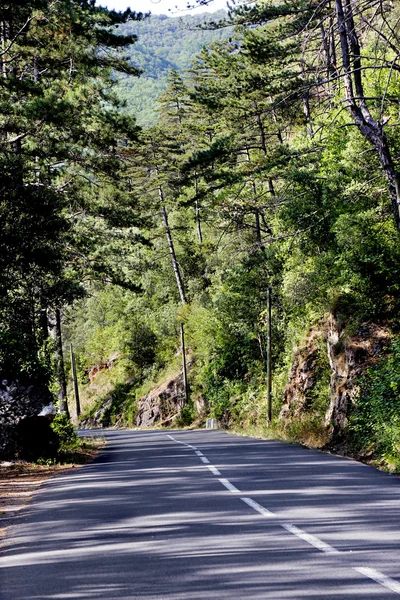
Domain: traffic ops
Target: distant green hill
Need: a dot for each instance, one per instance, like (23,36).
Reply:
(164,43)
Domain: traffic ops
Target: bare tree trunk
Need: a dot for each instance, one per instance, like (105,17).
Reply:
(197,208)
(275,119)
(254,189)
(3,47)
(175,265)
(54,326)
(179,283)
(258,227)
(75,382)
(307,114)
(184,366)
(261,129)
(371,129)
(271,187)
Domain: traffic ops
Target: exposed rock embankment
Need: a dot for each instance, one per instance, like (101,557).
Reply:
(26,411)
(162,404)
(303,374)
(348,357)
(105,365)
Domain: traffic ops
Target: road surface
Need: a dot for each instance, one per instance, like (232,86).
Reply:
(182,515)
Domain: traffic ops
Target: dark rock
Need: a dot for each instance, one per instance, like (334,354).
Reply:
(36,439)
(101,417)
(18,403)
(349,358)
(302,377)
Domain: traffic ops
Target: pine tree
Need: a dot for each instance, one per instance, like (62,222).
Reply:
(60,137)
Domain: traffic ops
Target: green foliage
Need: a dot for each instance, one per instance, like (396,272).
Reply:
(164,43)
(121,394)
(254,175)
(60,130)
(374,424)
(67,437)
(187,415)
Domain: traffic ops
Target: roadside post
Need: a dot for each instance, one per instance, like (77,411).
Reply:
(269,361)
(184,367)
(75,381)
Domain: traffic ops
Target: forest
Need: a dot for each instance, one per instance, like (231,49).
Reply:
(256,220)
(163,43)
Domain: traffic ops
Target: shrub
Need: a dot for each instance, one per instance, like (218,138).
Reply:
(64,430)
(374,424)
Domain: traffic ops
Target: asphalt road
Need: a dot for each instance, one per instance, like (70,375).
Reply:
(203,515)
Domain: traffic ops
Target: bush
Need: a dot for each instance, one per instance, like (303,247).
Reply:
(374,425)
(187,415)
(36,439)
(64,430)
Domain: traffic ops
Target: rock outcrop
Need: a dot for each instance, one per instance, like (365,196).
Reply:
(349,357)
(105,365)
(162,404)
(101,417)
(303,375)
(25,416)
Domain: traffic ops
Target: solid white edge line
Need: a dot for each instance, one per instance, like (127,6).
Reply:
(204,460)
(380,578)
(229,486)
(310,539)
(263,511)
(214,470)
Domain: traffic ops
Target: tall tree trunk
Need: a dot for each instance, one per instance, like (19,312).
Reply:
(175,265)
(307,114)
(54,326)
(371,129)
(197,208)
(179,283)
(256,210)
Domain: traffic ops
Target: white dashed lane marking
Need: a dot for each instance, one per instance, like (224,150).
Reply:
(310,539)
(229,486)
(214,470)
(387,582)
(263,511)
(377,576)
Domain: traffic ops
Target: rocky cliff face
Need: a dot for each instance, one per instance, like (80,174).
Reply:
(348,356)
(162,404)
(303,375)
(23,408)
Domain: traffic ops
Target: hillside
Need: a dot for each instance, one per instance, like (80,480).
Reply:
(164,43)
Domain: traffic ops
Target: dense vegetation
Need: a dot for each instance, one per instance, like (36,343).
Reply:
(273,164)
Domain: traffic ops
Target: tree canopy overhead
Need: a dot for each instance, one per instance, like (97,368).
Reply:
(61,135)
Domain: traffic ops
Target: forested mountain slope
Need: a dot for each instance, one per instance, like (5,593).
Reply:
(163,43)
